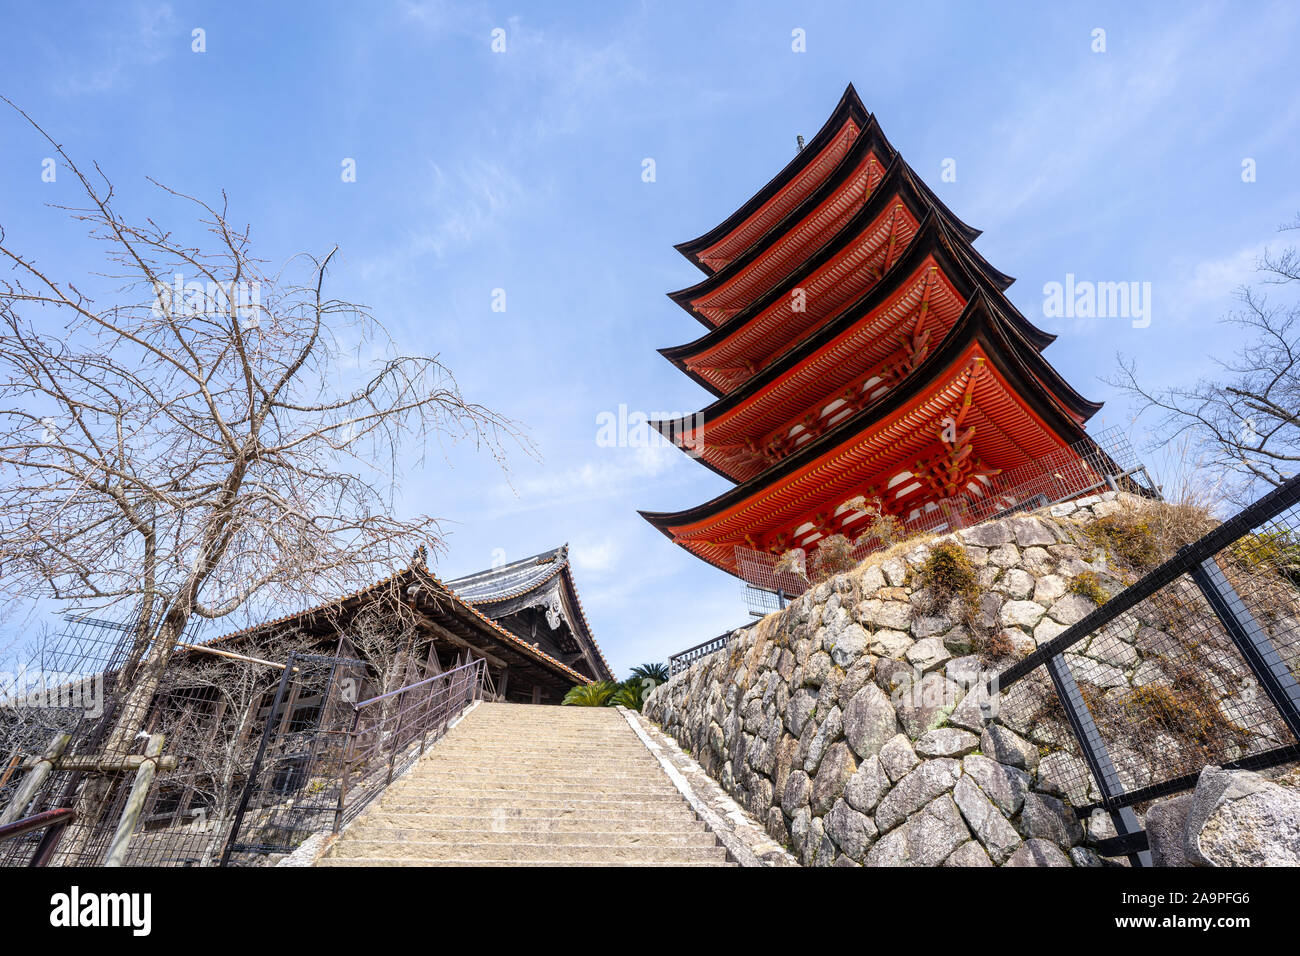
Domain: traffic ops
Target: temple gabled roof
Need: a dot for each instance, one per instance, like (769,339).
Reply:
(543,581)
(801,177)
(510,580)
(418,587)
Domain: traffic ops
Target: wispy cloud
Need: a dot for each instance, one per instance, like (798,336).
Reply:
(151,31)
(594,479)
(470,205)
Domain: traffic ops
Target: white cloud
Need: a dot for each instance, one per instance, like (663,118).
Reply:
(592,479)
(149,36)
(469,206)
(595,557)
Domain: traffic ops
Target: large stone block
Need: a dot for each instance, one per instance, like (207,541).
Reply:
(1237,818)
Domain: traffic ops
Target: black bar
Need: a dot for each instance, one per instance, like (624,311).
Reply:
(1269,668)
(1095,753)
(257,762)
(1126,845)
(1185,561)
(1261,761)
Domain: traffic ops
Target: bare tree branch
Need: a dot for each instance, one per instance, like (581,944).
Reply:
(1244,424)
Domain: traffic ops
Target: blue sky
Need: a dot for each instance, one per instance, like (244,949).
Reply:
(522,170)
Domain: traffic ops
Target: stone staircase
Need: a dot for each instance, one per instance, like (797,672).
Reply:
(531,785)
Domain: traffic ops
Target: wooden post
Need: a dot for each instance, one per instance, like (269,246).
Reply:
(34,779)
(134,802)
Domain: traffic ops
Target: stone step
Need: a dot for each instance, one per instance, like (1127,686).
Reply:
(566,740)
(524,781)
(586,762)
(490,763)
(593,836)
(526,852)
(547,744)
(678,820)
(521,785)
(536,793)
(540,789)
(403,802)
(389,862)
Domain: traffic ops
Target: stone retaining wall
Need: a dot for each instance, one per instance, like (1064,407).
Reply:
(855,726)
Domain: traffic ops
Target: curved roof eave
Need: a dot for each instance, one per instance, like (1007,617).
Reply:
(979,321)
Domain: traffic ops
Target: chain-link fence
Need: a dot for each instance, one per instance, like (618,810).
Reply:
(243,756)
(1197,663)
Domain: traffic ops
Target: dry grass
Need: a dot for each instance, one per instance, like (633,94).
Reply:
(949,573)
(895,550)
(992,648)
(1088,584)
(1140,537)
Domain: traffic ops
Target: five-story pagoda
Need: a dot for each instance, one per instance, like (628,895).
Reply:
(861,351)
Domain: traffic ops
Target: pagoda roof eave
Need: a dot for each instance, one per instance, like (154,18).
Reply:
(931,244)
(870,140)
(1022,366)
(898,184)
(932,237)
(850,107)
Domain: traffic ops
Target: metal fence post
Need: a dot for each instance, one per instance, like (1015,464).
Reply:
(1260,654)
(1095,753)
(35,778)
(345,771)
(256,768)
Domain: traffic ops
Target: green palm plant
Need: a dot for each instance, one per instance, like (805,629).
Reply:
(630,694)
(655,672)
(596,694)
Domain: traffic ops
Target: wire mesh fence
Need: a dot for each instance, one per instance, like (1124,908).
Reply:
(251,751)
(319,771)
(1196,664)
(68,694)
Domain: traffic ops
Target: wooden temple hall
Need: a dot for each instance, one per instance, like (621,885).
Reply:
(524,619)
(858,348)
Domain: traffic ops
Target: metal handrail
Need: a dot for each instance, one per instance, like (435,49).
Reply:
(402,690)
(445,696)
(37,821)
(54,822)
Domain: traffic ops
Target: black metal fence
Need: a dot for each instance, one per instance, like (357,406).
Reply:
(683,659)
(318,770)
(257,753)
(1197,663)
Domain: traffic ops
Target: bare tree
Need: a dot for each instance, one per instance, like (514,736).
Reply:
(200,437)
(384,636)
(210,716)
(1244,423)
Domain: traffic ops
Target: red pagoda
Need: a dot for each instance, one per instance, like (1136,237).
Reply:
(860,349)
